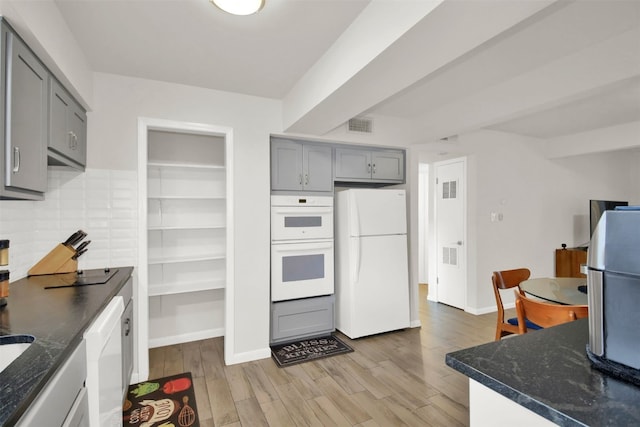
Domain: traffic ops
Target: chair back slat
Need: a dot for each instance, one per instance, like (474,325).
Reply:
(506,279)
(546,314)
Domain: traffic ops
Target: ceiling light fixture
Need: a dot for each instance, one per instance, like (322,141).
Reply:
(239,7)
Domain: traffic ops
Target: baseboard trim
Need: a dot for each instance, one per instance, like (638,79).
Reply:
(248,356)
(182,338)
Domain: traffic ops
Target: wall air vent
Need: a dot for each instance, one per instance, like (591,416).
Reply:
(360,125)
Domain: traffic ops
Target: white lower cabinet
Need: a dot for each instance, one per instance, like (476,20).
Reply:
(186,237)
(63,402)
(104,365)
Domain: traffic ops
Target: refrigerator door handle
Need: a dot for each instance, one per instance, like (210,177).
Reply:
(355,216)
(355,250)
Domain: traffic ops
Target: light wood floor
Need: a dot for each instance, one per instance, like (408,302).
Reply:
(392,379)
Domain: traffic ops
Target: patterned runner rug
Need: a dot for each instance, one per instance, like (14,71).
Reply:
(165,401)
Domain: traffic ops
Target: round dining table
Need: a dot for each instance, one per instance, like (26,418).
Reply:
(560,290)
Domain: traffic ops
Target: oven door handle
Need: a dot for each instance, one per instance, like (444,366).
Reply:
(303,210)
(302,247)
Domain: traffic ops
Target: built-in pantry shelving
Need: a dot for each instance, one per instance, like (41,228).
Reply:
(186,237)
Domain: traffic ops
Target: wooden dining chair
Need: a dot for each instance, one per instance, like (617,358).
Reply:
(545,314)
(508,279)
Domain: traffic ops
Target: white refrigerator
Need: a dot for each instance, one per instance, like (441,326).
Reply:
(372,273)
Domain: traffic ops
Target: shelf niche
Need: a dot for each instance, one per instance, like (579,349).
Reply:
(186,236)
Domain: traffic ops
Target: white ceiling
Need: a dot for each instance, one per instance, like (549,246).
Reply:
(542,68)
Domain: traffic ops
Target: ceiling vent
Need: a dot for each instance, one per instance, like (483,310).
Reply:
(360,125)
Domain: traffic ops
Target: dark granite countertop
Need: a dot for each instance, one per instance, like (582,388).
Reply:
(57,318)
(548,372)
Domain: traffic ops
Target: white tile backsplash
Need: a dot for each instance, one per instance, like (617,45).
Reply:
(103,203)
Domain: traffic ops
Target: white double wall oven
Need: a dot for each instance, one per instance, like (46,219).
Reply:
(301,247)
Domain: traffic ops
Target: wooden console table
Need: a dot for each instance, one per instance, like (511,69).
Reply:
(568,262)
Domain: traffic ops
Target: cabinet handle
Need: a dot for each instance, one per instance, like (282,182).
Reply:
(374,168)
(127,324)
(16,159)
(369,167)
(73,140)
(306,179)
(300,179)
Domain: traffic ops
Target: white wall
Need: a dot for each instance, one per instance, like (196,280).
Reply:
(43,28)
(544,202)
(101,202)
(423,219)
(119,101)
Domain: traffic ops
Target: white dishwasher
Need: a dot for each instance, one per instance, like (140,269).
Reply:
(104,366)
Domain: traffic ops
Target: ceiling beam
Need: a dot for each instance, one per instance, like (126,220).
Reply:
(559,82)
(426,37)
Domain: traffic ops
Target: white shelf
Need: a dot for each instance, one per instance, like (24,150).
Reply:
(177,260)
(165,164)
(195,197)
(180,288)
(186,227)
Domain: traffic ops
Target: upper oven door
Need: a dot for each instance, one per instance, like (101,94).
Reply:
(301,222)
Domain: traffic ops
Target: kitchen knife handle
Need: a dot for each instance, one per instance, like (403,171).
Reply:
(77,255)
(83,245)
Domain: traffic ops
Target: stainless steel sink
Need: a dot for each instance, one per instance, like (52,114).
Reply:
(12,346)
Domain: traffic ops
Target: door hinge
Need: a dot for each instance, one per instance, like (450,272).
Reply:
(437,280)
(436,180)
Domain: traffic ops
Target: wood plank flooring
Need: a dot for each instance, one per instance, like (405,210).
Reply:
(393,379)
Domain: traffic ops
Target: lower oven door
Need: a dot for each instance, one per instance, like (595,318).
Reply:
(301,270)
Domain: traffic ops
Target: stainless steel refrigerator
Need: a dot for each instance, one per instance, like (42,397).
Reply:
(613,286)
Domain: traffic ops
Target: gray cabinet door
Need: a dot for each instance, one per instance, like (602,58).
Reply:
(67,125)
(387,165)
(127,327)
(25,118)
(317,168)
(286,165)
(295,319)
(297,166)
(352,164)
(367,165)
(127,346)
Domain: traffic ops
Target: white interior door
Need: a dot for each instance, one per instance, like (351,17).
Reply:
(451,232)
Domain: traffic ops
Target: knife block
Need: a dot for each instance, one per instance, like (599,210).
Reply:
(59,260)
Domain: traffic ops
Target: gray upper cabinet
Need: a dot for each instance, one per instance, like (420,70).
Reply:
(300,166)
(369,165)
(67,129)
(24,120)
